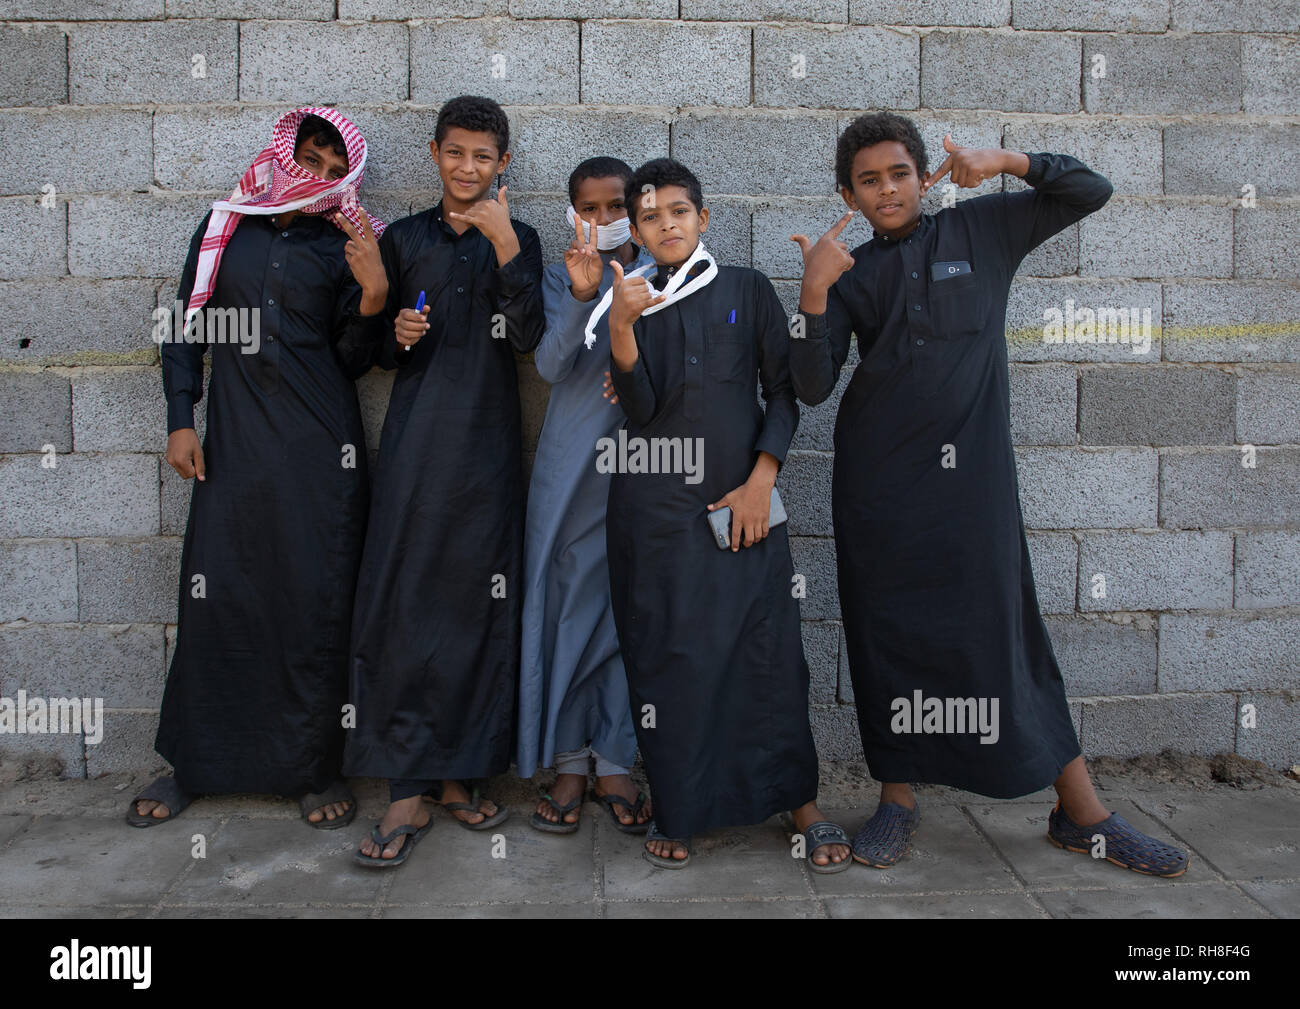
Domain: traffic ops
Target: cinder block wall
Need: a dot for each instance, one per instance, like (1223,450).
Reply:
(131,117)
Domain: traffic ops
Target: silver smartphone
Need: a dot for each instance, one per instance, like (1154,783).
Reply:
(720,520)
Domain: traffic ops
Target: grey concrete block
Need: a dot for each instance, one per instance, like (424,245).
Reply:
(816,11)
(246,10)
(1168,74)
(969,129)
(1068,488)
(545,214)
(1057,257)
(35,239)
(1101,656)
(728,235)
(373,390)
(173,62)
(1164,405)
(927,13)
(50,148)
(119,410)
(38,581)
(35,71)
(846,677)
(1155,571)
(513,62)
(1270,67)
(1218,159)
(1126,151)
(1264,243)
(1275,737)
(835,732)
(821,647)
(823,67)
(1043,404)
(1268,407)
(1267,569)
(1085,315)
(409,10)
(814,558)
(174,501)
(1211,488)
(127,746)
(1054,558)
(1206,651)
(131,235)
(209,147)
(775,222)
(584,9)
(1139,239)
(128,581)
(805,486)
(967,70)
(1085,16)
(1234,16)
(548,144)
(115,321)
(620,58)
(113,495)
(817,423)
(796,149)
(80,10)
(35,410)
(120,663)
(1131,726)
(1232,322)
(324,62)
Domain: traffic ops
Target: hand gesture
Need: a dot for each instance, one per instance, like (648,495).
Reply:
(491,217)
(631,297)
(825,261)
(968,166)
(582,260)
(362,252)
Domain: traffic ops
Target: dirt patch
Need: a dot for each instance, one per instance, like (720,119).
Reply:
(1184,769)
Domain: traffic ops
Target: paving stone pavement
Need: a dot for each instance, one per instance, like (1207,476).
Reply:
(65,852)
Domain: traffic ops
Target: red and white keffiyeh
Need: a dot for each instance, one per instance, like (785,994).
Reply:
(275,183)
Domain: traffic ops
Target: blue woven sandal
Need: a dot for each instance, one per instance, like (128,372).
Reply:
(1125,844)
(820,834)
(885,838)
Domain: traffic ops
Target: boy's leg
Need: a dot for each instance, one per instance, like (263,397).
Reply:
(613,779)
(570,782)
(406,805)
(1078,797)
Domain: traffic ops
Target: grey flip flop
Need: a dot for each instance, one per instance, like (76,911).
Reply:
(652,834)
(337,792)
(403,853)
(560,826)
(165,790)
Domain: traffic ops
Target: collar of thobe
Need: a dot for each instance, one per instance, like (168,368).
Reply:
(676,289)
(921,226)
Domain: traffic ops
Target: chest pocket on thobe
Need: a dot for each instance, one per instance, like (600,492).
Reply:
(958,307)
(729,350)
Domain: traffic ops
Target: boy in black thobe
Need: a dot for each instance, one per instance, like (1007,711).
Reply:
(953,674)
(435,637)
(710,638)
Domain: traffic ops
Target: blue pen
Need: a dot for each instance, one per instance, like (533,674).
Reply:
(732,317)
(419,307)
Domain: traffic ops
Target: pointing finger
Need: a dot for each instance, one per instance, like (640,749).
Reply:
(802,242)
(839,225)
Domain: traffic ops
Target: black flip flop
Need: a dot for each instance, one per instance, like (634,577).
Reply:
(561,826)
(403,853)
(609,801)
(470,807)
(165,790)
(652,834)
(337,792)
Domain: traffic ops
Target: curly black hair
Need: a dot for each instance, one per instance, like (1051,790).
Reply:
(875,128)
(661,172)
(598,168)
(322,133)
(481,115)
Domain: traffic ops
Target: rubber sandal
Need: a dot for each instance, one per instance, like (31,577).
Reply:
(470,807)
(820,834)
(887,836)
(165,790)
(1125,844)
(337,792)
(610,800)
(403,853)
(556,827)
(652,834)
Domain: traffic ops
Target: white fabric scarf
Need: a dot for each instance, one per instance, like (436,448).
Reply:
(608,236)
(673,289)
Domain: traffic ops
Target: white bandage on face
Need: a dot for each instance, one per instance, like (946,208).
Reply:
(677,288)
(608,236)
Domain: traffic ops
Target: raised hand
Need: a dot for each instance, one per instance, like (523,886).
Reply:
(824,262)
(968,166)
(491,217)
(364,260)
(582,260)
(631,297)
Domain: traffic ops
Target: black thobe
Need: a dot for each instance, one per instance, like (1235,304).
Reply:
(435,634)
(935,584)
(258,681)
(710,638)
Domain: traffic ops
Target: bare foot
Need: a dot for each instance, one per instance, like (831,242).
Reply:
(668,849)
(144,807)
(621,785)
(454,791)
(330,811)
(567,788)
(410,811)
(804,817)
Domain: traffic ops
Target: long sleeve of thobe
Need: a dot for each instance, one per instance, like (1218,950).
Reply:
(182,363)
(566,318)
(817,356)
(518,284)
(781,412)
